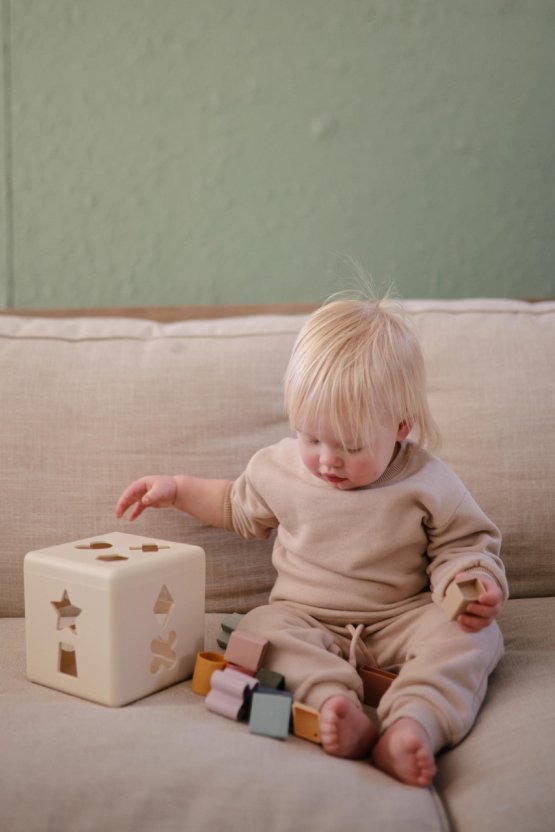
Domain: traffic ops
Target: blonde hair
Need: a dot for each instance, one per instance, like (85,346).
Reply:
(358,364)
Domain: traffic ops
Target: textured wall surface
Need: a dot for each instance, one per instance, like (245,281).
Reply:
(5,254)
(205,151)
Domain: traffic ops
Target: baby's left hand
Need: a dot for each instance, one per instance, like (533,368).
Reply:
(483,611)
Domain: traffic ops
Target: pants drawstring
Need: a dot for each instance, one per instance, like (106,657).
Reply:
(355,633)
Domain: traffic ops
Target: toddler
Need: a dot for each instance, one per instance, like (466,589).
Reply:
(371,530)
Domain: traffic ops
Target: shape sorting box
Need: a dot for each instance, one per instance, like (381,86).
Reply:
(114,618)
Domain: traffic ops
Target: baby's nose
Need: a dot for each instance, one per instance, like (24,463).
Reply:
(329,457)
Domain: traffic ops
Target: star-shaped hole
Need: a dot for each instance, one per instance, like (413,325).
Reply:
(67,612)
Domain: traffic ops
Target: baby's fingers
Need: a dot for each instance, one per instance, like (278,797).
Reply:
(489,603)
(161,492)
(479,615)
(137,510)
(133,494)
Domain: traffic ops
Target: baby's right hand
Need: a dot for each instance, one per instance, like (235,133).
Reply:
(148,492)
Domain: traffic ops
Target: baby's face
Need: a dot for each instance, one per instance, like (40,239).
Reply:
(345,468)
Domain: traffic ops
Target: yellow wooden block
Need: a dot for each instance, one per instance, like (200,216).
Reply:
(306,722)
(205,665)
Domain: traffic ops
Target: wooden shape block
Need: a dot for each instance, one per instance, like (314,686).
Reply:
(306,722)
(224,705)
(459,595)
(271,714)
(223,639)
(205,665)
(246,670)
(231,693)
(271,679)
(274,692)
(246,650)
(375,681)
(230,622)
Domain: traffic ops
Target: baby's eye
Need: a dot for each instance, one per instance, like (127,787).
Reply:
(354,450)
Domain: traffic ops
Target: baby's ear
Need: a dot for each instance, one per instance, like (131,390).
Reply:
(405,428)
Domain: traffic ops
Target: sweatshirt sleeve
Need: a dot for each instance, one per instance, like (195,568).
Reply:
(466,540)
(246,512)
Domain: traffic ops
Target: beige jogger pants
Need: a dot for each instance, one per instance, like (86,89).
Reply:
(443,671)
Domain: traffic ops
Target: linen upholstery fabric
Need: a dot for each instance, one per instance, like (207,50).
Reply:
(501,776)
(126,398)
(492,389)
(167,763)
(90,404)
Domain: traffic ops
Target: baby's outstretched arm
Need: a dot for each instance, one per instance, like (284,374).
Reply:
(202,498)
(147,492)
(482,612)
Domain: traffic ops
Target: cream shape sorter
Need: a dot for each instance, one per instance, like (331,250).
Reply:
(114,618)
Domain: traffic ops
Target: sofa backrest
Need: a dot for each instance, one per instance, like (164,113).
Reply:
(88,404)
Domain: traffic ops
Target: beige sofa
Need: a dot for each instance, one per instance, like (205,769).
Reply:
(90,403)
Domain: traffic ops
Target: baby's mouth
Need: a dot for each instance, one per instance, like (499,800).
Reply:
(332,478)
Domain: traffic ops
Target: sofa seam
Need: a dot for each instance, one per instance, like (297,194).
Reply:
(440,809)
(231,336)
(145,338)
(481,311)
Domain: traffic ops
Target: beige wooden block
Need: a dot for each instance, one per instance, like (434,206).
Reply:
(114,618)
(459,595)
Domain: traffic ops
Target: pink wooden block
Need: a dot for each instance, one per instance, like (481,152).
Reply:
(246,650)
(230,693)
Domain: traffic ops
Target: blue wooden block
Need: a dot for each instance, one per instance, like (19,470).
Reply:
(271,713)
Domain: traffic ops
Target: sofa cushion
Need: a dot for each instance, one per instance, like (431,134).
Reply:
(167,763)
(90,404)
(492,390)
(503,771)
(166,757)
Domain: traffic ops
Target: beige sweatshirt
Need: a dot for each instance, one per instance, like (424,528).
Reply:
(368,554)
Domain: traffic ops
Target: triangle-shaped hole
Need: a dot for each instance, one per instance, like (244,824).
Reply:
(163,606)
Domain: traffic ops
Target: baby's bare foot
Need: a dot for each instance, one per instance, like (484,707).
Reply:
(404,750)
(345,730)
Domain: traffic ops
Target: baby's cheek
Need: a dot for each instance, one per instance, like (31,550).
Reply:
(308,460)
(363,473)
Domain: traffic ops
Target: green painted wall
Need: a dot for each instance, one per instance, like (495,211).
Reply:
(230,151)
(5,253)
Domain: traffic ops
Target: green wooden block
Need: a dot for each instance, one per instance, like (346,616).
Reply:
(231,621)
(223,638)
(271,679)
(228,624)
(271,714)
